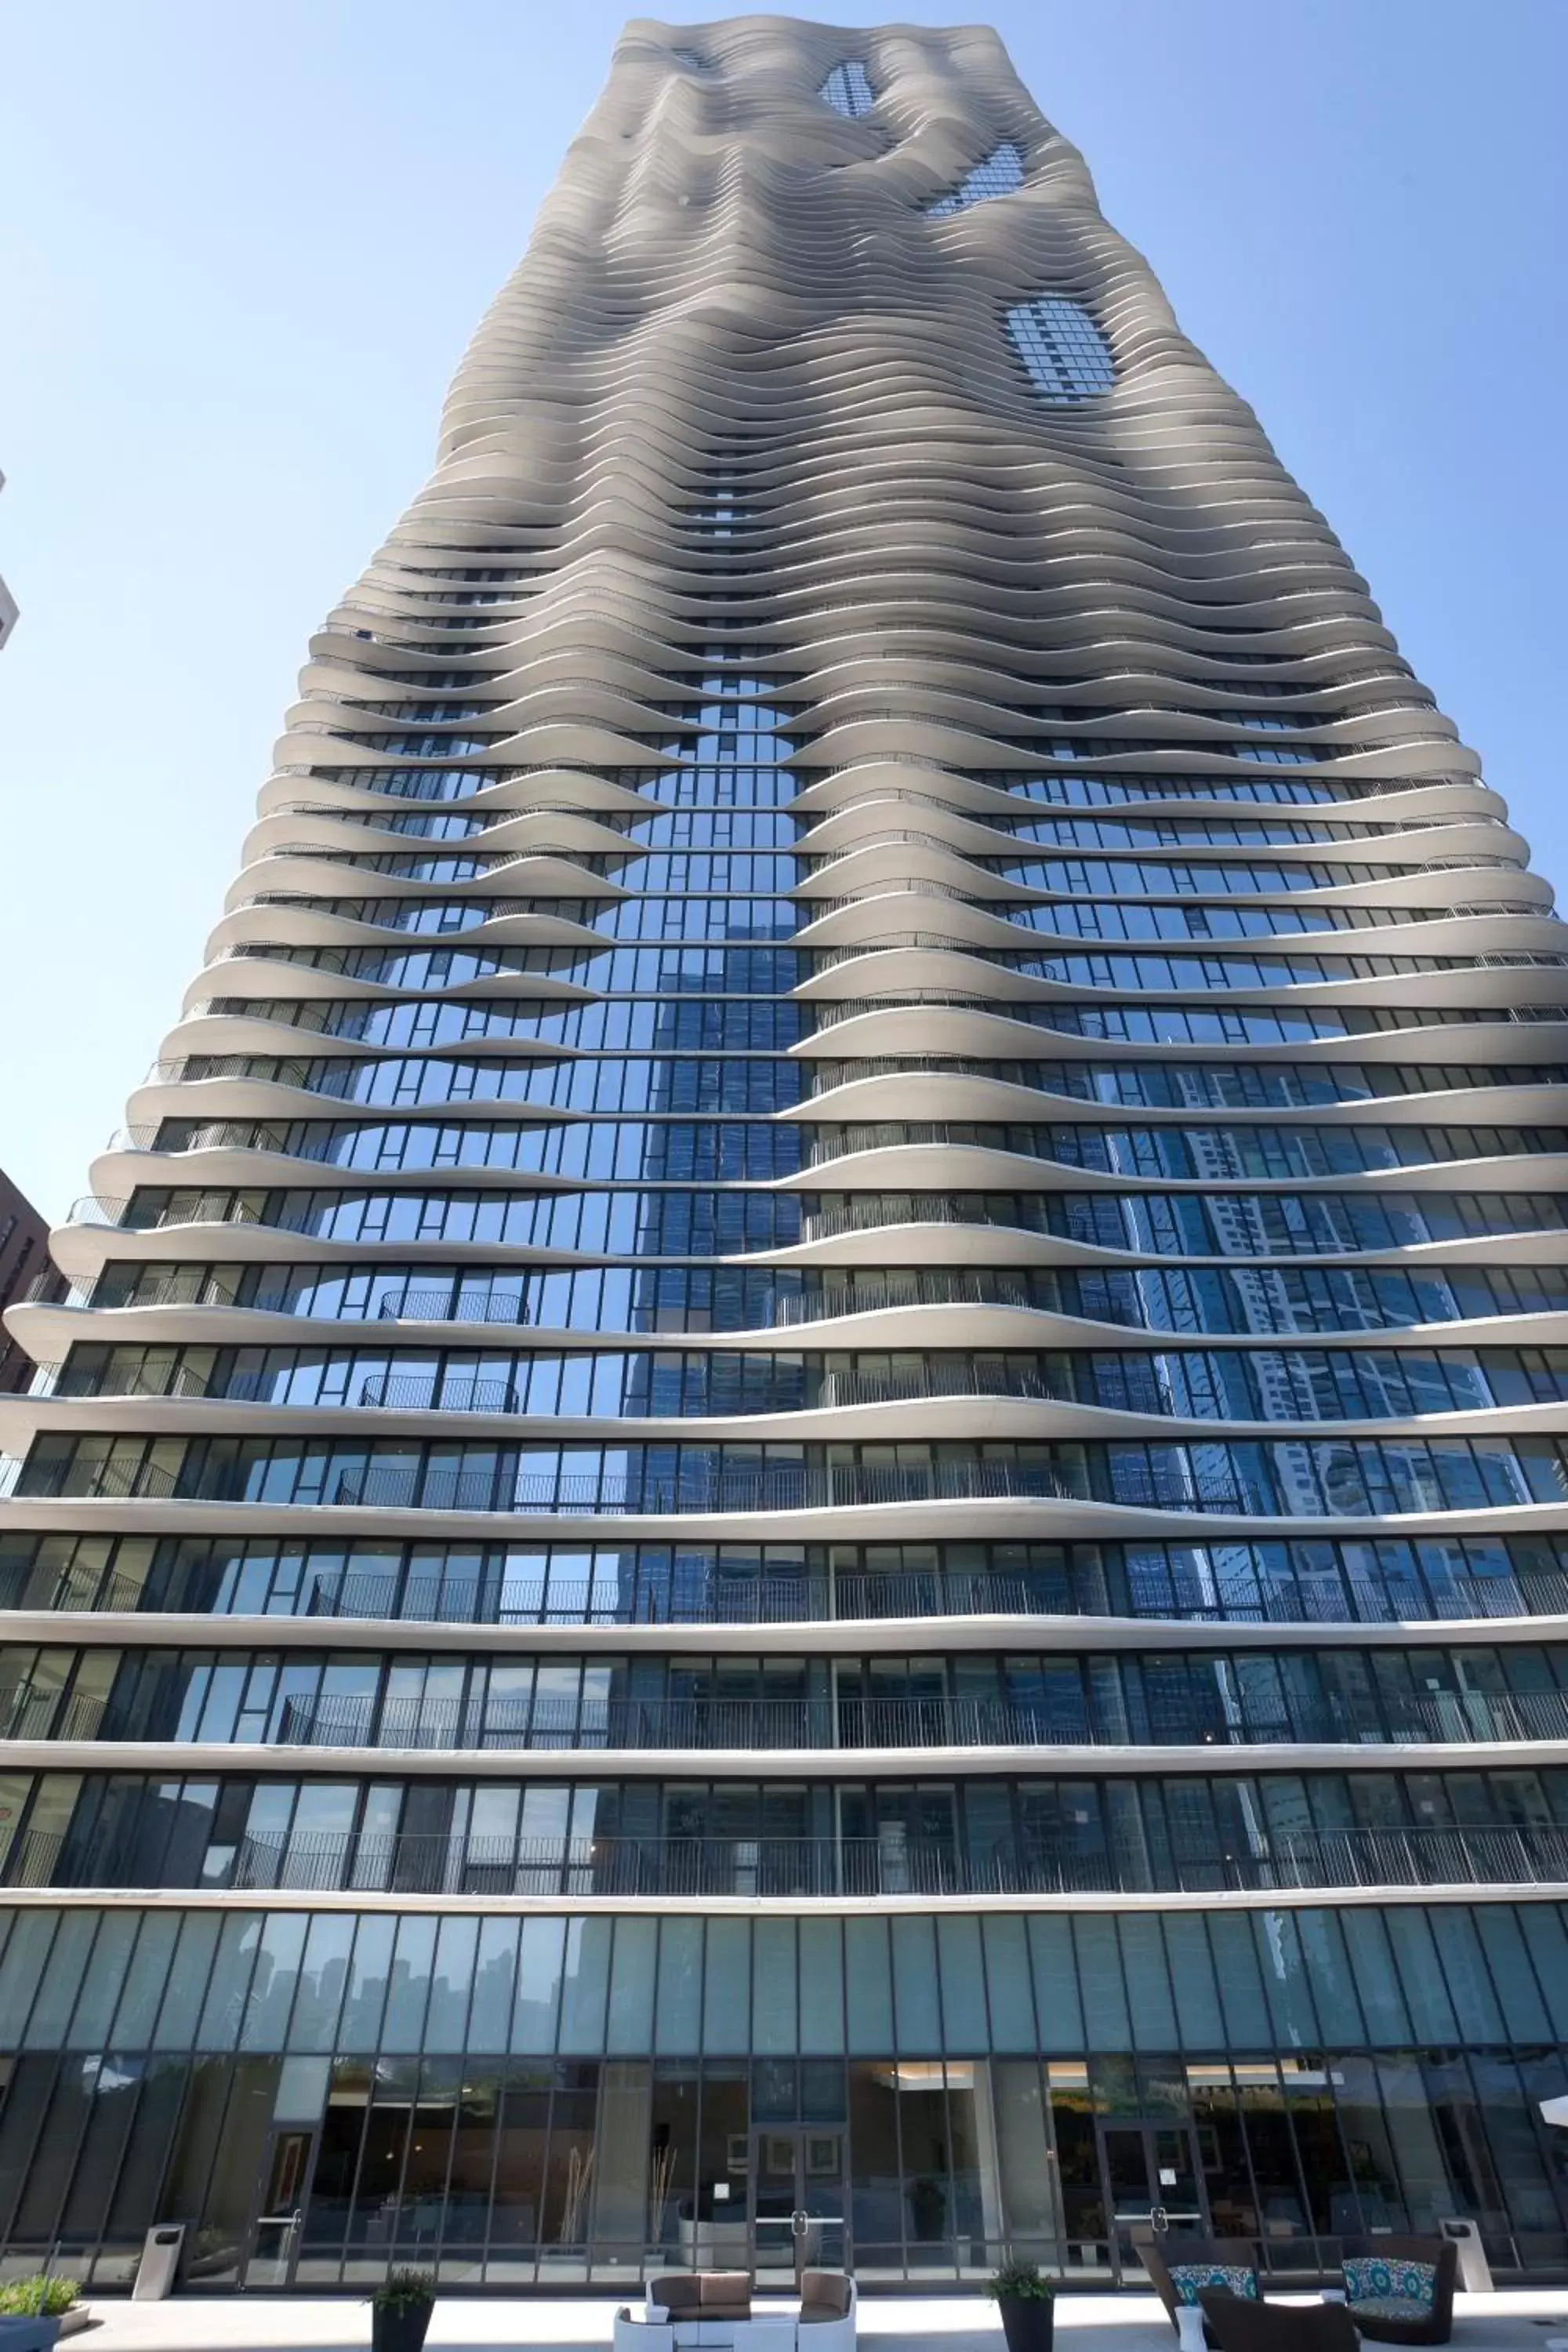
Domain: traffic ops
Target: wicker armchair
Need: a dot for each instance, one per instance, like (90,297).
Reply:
(1238,2325)
(1161,2256)
(1391,2319)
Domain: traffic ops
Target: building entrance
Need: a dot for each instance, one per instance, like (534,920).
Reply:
(278,2223)
(797,2201)
(1152,2182)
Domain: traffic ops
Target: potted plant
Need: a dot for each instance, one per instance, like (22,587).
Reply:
(50,2303)
(1028,2304)
(400,2311)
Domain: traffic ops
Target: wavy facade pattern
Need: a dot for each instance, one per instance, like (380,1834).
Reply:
(804,1492)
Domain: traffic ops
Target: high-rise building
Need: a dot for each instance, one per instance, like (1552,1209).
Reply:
(804,1492)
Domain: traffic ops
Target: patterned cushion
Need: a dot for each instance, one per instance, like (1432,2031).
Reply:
(1187,2278)
(1375,2282)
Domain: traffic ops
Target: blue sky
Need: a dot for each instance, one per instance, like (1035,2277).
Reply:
(244,246)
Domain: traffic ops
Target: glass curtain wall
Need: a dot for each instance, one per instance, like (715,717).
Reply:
(568,2099)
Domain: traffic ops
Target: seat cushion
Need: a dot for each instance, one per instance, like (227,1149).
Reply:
(1235,2278)
(813,2314)
(1384,2278)
(1391,2306)
(721,2310)
(823,2295)
(725,2287)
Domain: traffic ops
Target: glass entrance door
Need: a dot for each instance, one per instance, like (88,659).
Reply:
(1152,2184)
(276,2231)
(797,2201)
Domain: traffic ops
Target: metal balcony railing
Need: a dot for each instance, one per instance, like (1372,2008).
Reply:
(805,1389)
(300,1073)
(1362,788)
(485,863)
(916,887)
(475,910)
(759,1868)
(51,1289)
(903,836)
(826,1077)
(86,1209)
(1179,1481)
(784,1486)
(928,1287)
(1029,853)
(1007,909)
(854,1596)
(29,1713)
(698,1725)
(828,959)
(414,1306)
(463,1392)
(875,1210)
(780,1310)
(631,1595)
(743,1724)
(831,1011)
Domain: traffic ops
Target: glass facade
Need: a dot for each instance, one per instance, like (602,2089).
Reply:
(808,1455)
(1000,173)
(563,2098)
(848,89)
(1067,359)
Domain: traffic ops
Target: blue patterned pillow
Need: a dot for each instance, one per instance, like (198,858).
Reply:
(1187,2278)
(1377,2278)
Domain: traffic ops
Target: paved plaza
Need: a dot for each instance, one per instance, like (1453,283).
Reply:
(1521,2321)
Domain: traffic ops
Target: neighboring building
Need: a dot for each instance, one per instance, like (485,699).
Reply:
(811,1461)
(23,1264)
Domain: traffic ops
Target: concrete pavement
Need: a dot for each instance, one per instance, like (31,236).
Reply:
(1518,2320)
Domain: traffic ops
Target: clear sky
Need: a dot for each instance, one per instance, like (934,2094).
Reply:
(244,244)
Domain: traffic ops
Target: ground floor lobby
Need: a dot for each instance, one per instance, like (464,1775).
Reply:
(314,2173)
(529,2103)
